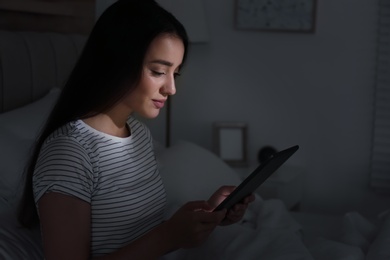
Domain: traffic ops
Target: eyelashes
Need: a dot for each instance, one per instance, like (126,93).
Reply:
(159,74)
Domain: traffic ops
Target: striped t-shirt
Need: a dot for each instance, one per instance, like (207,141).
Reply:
(118,177)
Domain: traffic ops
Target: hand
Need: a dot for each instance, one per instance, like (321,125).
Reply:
(193,223)
(234,214)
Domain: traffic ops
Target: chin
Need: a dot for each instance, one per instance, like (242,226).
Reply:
(150,115)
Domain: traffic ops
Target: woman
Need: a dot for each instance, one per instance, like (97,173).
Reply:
(93,178)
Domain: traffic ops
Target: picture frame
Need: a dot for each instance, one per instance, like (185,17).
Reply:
(276,15)
(230,142)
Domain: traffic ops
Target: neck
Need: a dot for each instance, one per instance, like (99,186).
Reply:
(109,125)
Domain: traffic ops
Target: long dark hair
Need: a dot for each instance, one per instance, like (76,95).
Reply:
(109,66)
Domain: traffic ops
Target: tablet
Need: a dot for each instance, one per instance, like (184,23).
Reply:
(257,177)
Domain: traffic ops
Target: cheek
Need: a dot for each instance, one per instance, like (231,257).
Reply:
(138,97)
(140,92)
(132,100)
(147,86)
(145,90)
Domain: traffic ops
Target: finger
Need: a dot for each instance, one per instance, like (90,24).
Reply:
(200,205)
(208,227)
(249,198)
(219,195)
(233,217)
(211,217)
(239,207)
(238,213)
(226,190)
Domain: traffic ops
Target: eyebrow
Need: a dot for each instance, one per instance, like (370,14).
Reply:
(163,62)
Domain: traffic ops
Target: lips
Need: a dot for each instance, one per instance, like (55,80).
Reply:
(158,103)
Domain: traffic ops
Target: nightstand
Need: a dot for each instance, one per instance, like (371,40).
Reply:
(285,184)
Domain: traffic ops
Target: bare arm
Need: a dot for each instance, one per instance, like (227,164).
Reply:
(66,230)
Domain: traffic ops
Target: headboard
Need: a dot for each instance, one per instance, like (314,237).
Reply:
(31,63)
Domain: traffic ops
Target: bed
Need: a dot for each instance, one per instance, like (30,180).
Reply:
(34,66)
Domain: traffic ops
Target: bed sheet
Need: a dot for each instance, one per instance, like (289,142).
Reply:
(17,242)
(269,231)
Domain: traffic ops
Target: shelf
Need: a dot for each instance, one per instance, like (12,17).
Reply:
(72,9)
(38,15)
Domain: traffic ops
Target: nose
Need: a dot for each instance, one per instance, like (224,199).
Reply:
(169,88)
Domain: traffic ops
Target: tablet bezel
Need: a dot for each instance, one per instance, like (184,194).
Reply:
(257,177)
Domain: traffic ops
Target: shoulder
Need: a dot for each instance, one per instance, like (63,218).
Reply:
(68,133)
(67,152)
(138,128)
(61,145)
(70,138)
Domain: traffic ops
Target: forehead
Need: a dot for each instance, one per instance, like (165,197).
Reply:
(167,47)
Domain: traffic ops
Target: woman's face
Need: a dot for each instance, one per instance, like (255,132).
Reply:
(161,66)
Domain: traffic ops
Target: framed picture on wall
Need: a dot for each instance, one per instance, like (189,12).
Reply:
(230,142)
(276,15)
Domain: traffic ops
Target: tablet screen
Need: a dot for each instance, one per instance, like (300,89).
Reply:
(257,177)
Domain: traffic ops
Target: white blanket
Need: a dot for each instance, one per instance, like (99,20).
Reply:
(267,232)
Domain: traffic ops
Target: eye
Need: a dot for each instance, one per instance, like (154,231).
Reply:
(176,74)
(157,73)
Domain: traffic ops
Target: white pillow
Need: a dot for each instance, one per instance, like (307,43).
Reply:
(18,130)
(14,154)
(380,249)
(26,121)
(357,231)
(18,242)
(190,172)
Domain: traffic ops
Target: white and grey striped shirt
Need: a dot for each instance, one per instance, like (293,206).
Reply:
(118,177)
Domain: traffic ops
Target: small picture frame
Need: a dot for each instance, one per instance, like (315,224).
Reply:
(276,15)
(230,142)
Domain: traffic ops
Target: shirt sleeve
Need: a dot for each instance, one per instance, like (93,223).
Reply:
(63,166)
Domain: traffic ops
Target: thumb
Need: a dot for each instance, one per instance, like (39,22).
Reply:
(197,205)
